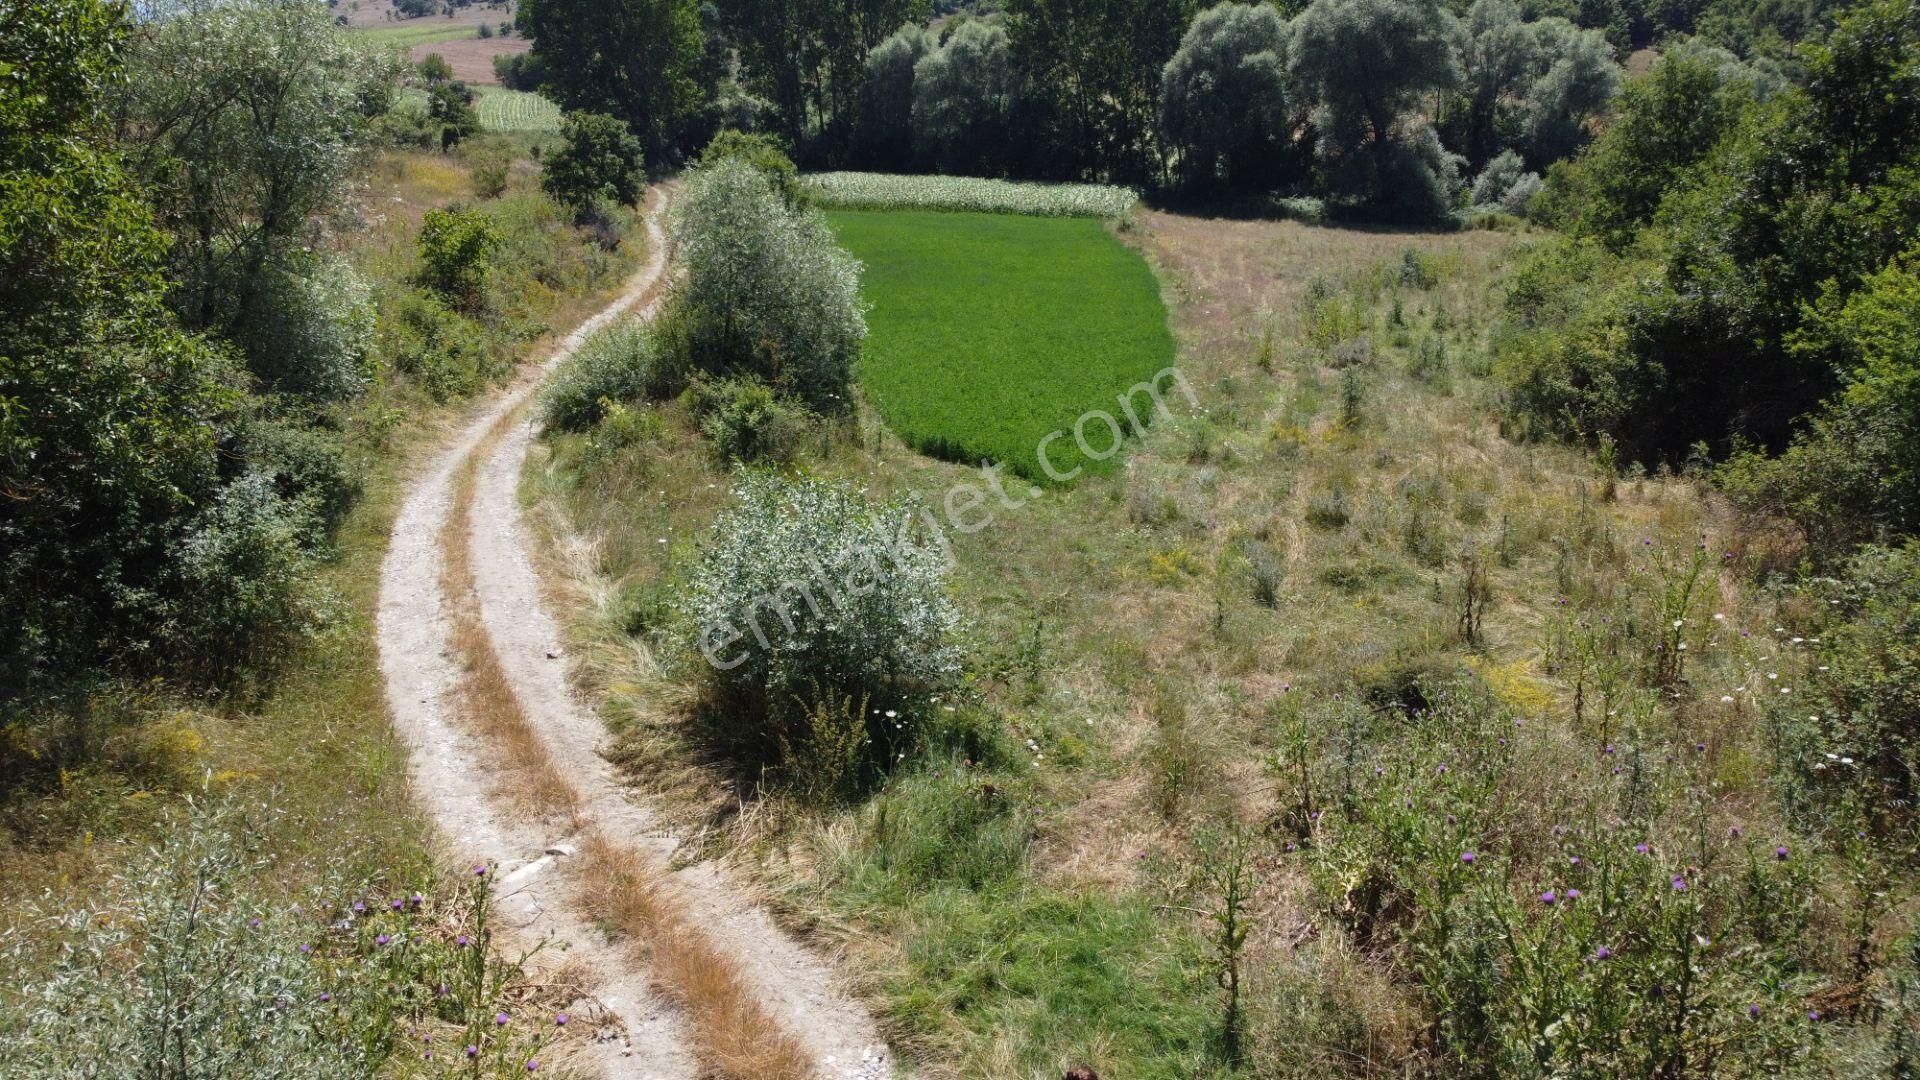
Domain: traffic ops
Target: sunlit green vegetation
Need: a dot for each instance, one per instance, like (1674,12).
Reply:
(987,333)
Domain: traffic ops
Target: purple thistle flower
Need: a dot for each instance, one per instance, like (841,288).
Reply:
(1641,848)
(1608,750)
(325,997)
(1780,853)
(461,941)
(473,1051)
(305,948)
(1753,1011)
(1813,1015)
(480,871)
(1679,883)
(397,905)
(560,1020)
(1700,747)
(416,900)
(1548,898)
(1603,953)
(1734,832)
(533,1064)
(500,1019)
(254,922)
(360,907)
(1467,857)
(1573,894)
(382,940)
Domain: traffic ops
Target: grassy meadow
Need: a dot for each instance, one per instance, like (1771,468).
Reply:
(987,332)
(1328,645)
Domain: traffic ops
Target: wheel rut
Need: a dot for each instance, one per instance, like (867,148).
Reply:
(696,980)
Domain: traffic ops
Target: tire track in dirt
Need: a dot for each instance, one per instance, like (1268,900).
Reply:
(703,922)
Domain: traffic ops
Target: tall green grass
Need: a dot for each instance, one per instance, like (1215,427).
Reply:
(988,332)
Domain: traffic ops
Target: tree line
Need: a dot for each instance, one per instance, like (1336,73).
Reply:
(1384,106)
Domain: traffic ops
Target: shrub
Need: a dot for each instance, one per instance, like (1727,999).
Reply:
(240,581)
(601,159)
(491,166)
(1494,181)
(809,593)
(312,328)
(457,249)
(618,364)
(765,291)
(764,154)
(746,421)
(182,968)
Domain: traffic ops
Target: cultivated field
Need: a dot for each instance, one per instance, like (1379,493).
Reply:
(886,191)
(515,110)
(989,332)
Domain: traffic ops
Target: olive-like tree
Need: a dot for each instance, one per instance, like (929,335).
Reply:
(764,291)
(886,98)
(1368,64)
(246,121)
(1223,96)
(962,93)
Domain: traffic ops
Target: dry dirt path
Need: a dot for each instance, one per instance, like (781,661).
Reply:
(539,872)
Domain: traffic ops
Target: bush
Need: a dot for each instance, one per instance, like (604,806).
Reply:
(1859,736)
(312,329)
(746,421)
(808,593)
(457,248)
(239,580)
(618,364)
(764,154)
(1494,181)
(765,291)
(601,159)
(182,968)
(491,165)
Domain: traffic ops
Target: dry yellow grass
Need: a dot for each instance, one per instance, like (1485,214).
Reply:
(526,771)
(735,1037)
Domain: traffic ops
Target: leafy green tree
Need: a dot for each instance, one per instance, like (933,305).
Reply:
(1369,63)
(642,61)
(1854,471)
(1666,123)
(1088,75)
(1223,97)
(764,290)
(1799,205)
(246,121)
(765,155)
(962,93)
(808,58)
(600,160)
(1499,53)
(1580,79)
(886,98)
(111,419)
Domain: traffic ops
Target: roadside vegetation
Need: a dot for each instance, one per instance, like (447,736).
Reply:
(221,341)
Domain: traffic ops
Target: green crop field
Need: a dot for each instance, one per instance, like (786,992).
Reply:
(988,332)
(418,32)
(501,109)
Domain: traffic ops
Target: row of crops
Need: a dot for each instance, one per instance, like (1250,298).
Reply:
(885,191)
(501,109)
